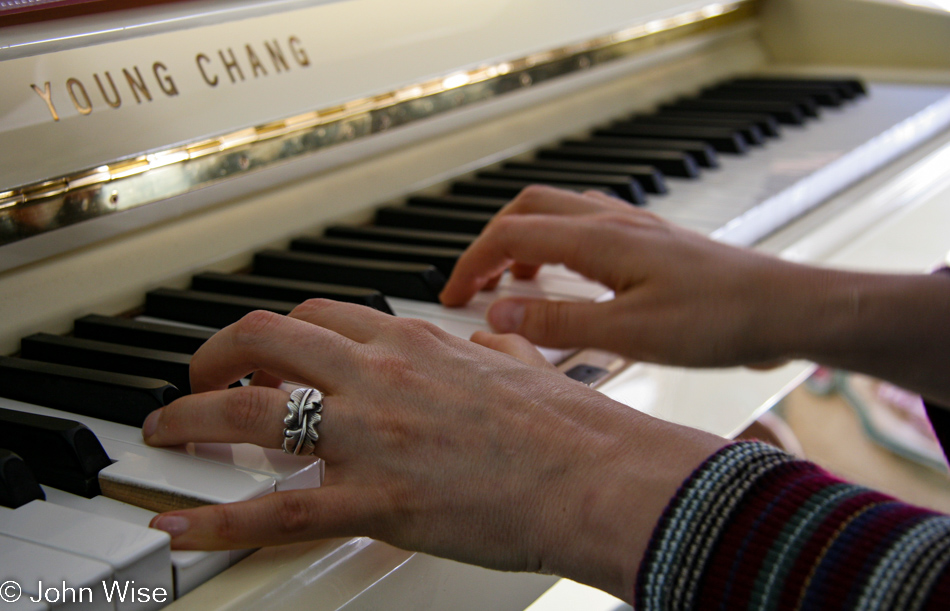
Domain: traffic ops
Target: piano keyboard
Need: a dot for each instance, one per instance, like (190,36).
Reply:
(736,162)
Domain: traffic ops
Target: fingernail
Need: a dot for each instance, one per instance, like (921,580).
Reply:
(173,525)
(506,316)
(151,424)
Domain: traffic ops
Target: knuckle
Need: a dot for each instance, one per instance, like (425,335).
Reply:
(226,526)
(255,325)
(246,410)
(391,367)
(530,197)
(505,226)
(310,306)
(294,514)
(547,321)
(419,329)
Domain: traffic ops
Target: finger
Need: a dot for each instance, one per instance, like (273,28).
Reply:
(513,345)
(250,414)
(284,347)
(555,324)
(351,320)
(274,519)
(541,199)
(531,240)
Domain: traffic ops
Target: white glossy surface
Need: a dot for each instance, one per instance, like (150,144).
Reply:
(753,195)
(28,564)
(191,568)
(136,554)
(155,469)
(352,50)
(287,472)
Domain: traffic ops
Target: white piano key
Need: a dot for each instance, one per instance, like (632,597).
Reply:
(190,568)
(287,472)
(145,471)
(139,557)
(750,196)
(30,565)
(555,282)
(460,326)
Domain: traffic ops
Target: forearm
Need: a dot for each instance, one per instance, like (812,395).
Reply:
(895,327)
(756,528)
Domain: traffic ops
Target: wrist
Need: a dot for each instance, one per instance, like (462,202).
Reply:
(890,326)
(620,488)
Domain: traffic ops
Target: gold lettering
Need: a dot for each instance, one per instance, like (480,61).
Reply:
(47,96)
(255,62)
(296,47)
(165,82)
(137,84)
(231,65)
(202,59)
(115,91)
(276,56)
(71,85)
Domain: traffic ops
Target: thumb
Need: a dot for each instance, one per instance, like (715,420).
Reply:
(556,324)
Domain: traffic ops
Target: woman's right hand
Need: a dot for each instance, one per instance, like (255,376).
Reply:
(681,298)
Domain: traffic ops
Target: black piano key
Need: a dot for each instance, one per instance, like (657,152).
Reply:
(724,140)
(767,124)
(61,453)
(461,203)
(131,332)
(650,178)
(208,309)
(808,105)
(440,239)
(511,187)
(282,289)
(671,163)
(132,360)
(788,114)
(625,188)
(18,485)
(823,95)
(106,395)
(406,280)
(847,88)
(452,221)
(703,152)
(749,130)
(442,258)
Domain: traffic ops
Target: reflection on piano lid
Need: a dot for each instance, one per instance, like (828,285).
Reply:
(384,95)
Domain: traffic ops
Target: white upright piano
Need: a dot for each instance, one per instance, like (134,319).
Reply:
(142,146)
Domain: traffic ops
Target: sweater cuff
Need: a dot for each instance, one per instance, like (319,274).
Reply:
(754,527)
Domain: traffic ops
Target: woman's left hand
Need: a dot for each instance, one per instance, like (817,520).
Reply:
(431,443)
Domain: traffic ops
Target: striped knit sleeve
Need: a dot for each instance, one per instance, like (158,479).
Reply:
(755,528)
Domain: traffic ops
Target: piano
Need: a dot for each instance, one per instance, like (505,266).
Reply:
(152,156)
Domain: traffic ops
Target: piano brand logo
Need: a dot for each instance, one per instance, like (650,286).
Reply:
(114,88)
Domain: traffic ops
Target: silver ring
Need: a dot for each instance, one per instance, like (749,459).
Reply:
(300,434)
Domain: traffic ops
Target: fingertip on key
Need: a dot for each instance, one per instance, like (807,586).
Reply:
(172,524)
(506,316)
(150,426)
